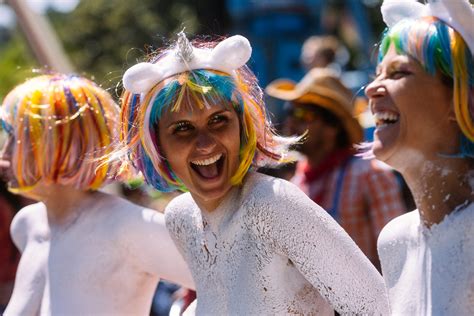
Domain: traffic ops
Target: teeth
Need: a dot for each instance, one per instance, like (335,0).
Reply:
(384,118)
(208,161)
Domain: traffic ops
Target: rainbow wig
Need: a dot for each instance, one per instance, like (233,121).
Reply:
(61,126)
(440,49)
(194,90)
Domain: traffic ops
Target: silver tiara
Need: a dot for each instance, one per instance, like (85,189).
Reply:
(184,49)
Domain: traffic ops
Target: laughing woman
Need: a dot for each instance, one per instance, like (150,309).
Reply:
(194,120)
(423,102)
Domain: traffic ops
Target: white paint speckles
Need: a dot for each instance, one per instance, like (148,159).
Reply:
(434,263)
(268,249)
(445,172)
(447,197)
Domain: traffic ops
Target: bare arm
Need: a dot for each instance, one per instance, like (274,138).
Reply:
(324,253)
(30,278)
(155,250)
(19,228)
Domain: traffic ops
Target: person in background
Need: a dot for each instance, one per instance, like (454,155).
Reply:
(83,251)
(361,195)
(422,100)
(321,51)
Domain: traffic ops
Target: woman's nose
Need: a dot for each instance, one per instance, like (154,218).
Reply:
(375,89)
(205,142)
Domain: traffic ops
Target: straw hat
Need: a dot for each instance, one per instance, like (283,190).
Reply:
(321,87)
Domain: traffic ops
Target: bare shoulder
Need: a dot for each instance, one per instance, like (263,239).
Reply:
(261,189)
(182,216)
(398,231)
(29,221)
(180,208)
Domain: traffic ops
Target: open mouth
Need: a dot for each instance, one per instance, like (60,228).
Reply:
(209,168)
(385,118)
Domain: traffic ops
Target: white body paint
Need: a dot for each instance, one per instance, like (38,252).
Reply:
(428,271)
(106,262)
(269,250)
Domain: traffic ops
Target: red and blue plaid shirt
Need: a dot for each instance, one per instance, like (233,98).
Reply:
(369,195)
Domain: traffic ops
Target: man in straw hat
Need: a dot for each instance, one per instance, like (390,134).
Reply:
(362,195)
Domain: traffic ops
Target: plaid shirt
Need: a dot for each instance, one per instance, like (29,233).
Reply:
(369,197)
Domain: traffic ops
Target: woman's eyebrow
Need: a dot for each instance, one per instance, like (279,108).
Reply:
(393,63)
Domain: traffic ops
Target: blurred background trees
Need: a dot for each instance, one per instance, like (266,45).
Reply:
(102,38)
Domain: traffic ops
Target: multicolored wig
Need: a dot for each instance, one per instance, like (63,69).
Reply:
(61,126)
(197,89)
(440,49)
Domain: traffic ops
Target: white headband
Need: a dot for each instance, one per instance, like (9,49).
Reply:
(459,14)
(229,55)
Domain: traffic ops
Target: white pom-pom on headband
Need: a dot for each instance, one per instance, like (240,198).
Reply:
(229,55)
(459,14)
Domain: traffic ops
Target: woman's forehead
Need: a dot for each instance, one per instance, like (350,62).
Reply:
(393,58)
(193,110)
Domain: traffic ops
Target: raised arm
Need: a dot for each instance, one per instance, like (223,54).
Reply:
(154,249)
(19,227)
(324,253)
(30,278)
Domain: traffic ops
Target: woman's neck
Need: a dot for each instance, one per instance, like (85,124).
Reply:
(439,186)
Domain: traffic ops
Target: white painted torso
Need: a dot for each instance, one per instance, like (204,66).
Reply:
(107,262)
(429,271)
(269,250)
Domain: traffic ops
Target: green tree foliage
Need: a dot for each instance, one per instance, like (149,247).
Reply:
(104,37)
(16,63)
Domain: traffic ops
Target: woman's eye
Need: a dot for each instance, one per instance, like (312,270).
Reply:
(216,119)
(182,127)
(396,74)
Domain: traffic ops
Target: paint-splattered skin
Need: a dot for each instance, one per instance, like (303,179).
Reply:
(268,249)
(428,271)
(106,262)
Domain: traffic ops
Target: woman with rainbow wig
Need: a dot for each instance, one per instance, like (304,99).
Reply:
(194,119)
(422,99)
(78,245)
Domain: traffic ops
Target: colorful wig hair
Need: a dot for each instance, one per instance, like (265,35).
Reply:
(61,126)
(196,89)
(440,49)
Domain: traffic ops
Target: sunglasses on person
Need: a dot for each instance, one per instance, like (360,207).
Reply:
(303,114)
